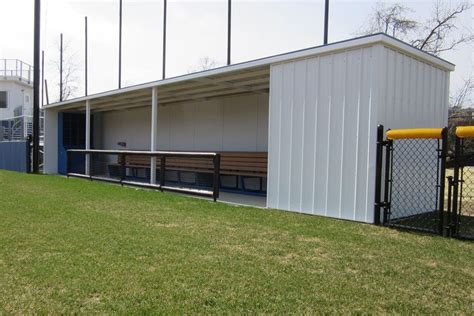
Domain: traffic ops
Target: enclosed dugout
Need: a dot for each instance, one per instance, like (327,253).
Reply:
(323,108)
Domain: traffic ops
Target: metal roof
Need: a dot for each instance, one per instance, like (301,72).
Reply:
(247,77)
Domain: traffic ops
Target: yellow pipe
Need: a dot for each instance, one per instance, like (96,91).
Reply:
(413,133)
(465,131)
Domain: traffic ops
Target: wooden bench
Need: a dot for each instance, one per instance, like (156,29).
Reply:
(232,163)
(239,164)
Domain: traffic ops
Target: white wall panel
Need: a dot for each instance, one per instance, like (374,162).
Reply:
(51,141)
(415,93)
(240,123)
(182,126)
(262,123)
(132,127)
(208,133)
(229,124)
(319,135)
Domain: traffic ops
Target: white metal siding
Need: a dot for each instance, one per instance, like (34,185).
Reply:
(321,159)
(413,94)
(324,112)
(50,141)
(227,124)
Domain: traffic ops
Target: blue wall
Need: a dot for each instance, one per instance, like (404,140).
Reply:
(71,135)
(15,156)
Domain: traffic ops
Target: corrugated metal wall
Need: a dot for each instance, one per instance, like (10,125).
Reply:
(14,156)
(237,123)
(413,93)
(322,128)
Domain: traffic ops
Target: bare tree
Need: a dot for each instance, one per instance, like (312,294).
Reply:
(70,69)
(204,63)
(461,97)
(440,33)
(391,20)
(437,34)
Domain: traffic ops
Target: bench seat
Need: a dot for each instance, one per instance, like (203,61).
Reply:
(250,164)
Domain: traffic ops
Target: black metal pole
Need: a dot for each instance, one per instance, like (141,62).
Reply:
(229,30)
(442,177)
(378,174)
(42,78)
(61,68)
(162,172)
(36,83)
(165,9)
(216,182)
(326,21)
(388,181)
(456,175)
(85,57)
(120,47)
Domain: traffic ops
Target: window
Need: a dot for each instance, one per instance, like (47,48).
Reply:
(3,100)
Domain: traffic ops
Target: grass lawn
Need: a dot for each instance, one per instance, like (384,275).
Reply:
(69,245)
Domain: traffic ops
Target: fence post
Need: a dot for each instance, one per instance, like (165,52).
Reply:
(122,168)
(388,180)
(28,154)
(378,174)
(444,152)
(457,156)
(449,214)
(217,171)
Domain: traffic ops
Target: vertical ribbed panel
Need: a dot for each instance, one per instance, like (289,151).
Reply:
(324,112)
(416,93)
(319,135)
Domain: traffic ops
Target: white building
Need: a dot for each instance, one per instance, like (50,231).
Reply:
(16,99)
(314,111)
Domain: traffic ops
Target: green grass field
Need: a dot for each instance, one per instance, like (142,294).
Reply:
(69,245)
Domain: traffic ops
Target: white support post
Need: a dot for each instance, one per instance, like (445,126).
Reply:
(88,136)
(154,132)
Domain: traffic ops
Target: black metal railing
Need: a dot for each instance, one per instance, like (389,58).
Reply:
(162,170)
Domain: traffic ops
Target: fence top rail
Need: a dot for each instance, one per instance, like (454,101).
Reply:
(415,133)
(465,131)
(145,153)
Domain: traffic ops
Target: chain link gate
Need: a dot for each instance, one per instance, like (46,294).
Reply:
(460,212)
(413,179)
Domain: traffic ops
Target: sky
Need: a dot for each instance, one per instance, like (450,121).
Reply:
(195,29)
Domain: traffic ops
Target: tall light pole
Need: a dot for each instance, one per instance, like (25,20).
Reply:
(165,9)
(61,68)
(120,47)
(326,21)
(85,57)
(36,85)
(229,30)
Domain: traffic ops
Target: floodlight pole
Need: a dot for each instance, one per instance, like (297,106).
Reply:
(61,68)
(85,55)
(120,47)
(36,83)
(165,9)
(42,78)
(229,29)
(326,21)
